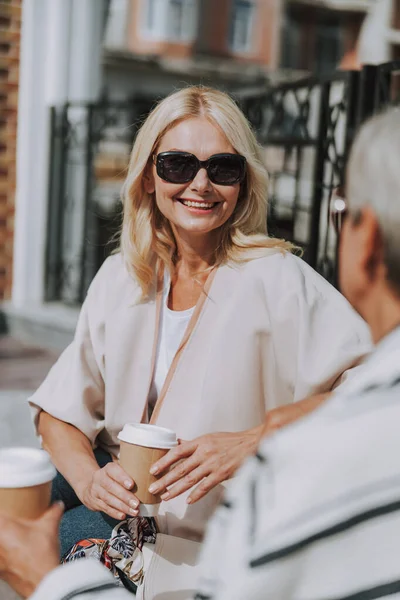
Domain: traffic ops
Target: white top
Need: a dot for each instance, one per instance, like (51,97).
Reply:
(316,514)
(173,324)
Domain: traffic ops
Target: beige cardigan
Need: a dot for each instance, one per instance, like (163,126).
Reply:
(264,334)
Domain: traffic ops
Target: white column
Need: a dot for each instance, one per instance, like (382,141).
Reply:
(84,87)
(58,44)
(60,59)
(32,144)
(86,38)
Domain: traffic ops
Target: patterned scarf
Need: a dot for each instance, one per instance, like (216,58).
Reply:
(122,553)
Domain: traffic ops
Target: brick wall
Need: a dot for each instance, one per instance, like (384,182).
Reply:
(10,28)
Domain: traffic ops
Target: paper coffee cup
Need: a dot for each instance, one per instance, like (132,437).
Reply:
(141,446)
(25,482)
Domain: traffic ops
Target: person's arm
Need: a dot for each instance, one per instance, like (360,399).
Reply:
(284,415)
(29,563)
(69,409)
(100,489)
(80,580)
(56,437)
(214,458)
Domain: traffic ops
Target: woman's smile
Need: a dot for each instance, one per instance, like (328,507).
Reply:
(198,206)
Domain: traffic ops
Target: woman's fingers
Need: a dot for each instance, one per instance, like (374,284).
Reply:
(207,484)
(111,512)
(110,494)
(184,450)
(114,501)
(116,489)
(186,483)
(177,473)
(116,472)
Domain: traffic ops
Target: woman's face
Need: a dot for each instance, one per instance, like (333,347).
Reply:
(199,137)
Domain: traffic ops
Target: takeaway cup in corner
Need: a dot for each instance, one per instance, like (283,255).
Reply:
(26,475)
(141,446)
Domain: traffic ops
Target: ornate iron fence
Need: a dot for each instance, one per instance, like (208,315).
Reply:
(90,146)
(305,127)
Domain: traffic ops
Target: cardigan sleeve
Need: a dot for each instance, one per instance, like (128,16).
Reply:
(318,338)
(80,580)
(73,391)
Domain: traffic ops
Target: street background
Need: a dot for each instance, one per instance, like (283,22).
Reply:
(77,77)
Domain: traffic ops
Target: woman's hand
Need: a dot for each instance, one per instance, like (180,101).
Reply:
(108,492)
(29,549)
(208,460)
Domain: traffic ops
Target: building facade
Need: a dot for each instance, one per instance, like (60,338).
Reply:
(78,55)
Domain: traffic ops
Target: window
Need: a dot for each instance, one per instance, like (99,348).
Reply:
(154,20)
(311,40)
(151,15)
(173,20)
(115,29)
(291,58)
(328,45)
(396,15)
(176,19)
(242,25)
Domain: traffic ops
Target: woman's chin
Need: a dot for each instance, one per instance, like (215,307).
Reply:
(196,226)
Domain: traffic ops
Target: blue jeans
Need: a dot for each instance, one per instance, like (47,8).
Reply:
(78,521)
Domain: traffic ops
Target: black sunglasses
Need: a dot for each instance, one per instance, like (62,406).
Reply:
(182,167)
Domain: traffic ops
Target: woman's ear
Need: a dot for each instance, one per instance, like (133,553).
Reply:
(148,180)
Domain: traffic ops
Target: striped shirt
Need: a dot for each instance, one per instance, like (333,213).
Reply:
(316,514)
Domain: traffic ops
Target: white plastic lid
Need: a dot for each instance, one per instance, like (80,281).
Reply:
(25,467)
(149,436)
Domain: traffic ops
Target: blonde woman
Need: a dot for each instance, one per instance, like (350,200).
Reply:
(202,324)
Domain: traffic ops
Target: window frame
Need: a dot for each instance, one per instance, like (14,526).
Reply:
(233,42)
(162,14)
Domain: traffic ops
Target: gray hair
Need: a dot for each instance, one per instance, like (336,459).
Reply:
(373,179)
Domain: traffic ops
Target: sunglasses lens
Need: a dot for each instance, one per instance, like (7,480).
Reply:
(177,168)
(226,170)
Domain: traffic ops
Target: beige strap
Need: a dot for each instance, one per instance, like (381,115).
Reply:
(189,329)
(159,299)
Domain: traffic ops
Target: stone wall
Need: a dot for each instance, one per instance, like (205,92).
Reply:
(10,29)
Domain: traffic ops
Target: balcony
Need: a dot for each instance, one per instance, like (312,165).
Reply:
(360,6)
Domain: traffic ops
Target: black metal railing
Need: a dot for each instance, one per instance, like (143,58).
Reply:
(90,146)
(305,127)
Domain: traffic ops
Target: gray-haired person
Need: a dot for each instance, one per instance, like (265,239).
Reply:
(316,513)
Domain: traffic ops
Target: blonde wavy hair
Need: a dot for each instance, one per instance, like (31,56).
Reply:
(147,242)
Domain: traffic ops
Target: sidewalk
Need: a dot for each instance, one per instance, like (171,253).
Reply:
(22,369)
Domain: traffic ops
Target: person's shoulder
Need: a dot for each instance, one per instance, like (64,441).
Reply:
(113,284)
(338,437)
(113,273)
(285,274)
(325,469)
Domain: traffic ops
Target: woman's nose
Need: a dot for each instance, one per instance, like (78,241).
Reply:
(201,182)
